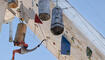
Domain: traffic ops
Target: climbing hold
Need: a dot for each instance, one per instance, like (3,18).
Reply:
(37,20)
(88,52)
(72,38)
(53,43)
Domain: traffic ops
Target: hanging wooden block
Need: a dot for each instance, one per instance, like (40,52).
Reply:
(20,33)
(44,9)
(12,3)
(57,25)
(65,46)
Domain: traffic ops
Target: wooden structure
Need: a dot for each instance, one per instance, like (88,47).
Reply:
(77,30)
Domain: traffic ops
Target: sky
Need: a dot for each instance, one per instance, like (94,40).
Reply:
(92,10)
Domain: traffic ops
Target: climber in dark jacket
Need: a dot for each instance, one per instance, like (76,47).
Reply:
(24,50)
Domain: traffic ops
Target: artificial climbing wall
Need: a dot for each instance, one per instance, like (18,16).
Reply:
(77,30)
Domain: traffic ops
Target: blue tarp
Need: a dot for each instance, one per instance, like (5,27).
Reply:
(65,46)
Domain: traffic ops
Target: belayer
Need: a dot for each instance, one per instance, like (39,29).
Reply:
(24,50)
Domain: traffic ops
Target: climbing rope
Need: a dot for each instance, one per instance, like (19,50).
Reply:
(33,2)
(10,32)
(42,34)
(57,3)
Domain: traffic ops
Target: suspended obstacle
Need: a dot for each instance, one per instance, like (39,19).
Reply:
(57,26)
(12,3)
(44,9)
(20,34)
